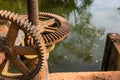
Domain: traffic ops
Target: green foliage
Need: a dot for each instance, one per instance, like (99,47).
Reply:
(13,5)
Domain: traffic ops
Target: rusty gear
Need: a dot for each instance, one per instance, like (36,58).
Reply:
(56,31)
(60,33)
(22,23)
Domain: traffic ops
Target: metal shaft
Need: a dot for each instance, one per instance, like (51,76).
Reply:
(33,14)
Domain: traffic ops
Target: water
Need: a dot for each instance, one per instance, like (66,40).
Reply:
(90,21)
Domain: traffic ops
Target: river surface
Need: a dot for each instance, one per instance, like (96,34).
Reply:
(90,21)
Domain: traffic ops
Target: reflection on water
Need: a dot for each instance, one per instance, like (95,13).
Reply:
(76,52)
(90,21)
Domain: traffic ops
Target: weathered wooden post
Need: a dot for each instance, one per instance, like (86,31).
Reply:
(111,59)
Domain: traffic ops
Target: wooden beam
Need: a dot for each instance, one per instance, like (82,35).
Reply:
(111,59)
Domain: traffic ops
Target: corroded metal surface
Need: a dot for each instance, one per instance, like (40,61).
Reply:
(55,27)
(60,33)
(20,22)
(32,7)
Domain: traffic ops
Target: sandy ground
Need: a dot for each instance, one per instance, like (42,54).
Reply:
(85,76)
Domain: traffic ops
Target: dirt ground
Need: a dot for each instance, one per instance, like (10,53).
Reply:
(85,76)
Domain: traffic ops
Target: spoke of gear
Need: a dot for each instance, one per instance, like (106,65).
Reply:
(22,23)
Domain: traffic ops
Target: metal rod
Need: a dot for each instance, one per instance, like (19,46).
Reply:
(33,14)
(20,50)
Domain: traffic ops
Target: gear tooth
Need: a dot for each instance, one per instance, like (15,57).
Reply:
(15,17)
(42,66)
(11,15)
(3,13)
(42,47)
(42,50)
(22,20)
(48,37)
(44,37)
(19,18)
(58,36)
(7,14)
(28,28)
(28,24)
(25,26)
(62,31)
(32,28)
(43,57)
(54,36)
(43,60)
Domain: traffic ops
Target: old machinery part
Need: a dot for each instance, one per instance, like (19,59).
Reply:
(13,53)
(59,33)
(32,7)
(55,28)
